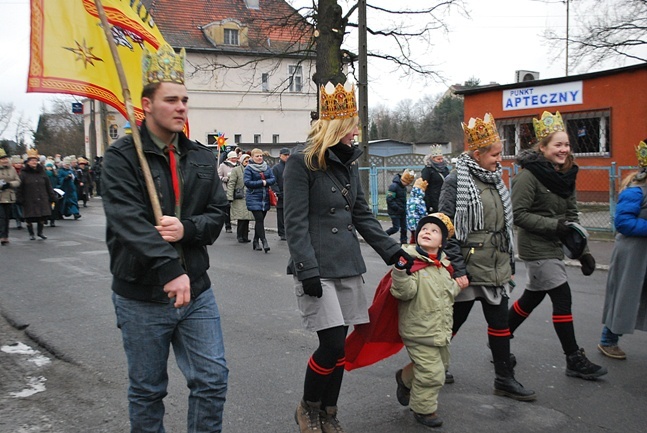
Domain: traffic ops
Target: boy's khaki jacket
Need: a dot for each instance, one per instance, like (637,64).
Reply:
(426,302)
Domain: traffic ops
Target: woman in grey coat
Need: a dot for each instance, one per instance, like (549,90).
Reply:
(625,304)
(325,209)
(239,211)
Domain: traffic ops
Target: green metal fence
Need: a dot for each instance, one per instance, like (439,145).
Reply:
(597,188)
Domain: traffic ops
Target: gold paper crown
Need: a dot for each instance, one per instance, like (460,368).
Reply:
(641,153)
(445,220)
(480,133)
(32,153)
(164,66)
(548,124)
(337,102)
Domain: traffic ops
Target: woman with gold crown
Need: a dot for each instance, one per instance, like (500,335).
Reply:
(324,210)
(545,208)
(625,304)
(482,254)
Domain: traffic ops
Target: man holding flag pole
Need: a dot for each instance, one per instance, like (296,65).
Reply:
(156,235)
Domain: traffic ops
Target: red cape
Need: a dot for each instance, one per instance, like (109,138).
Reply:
(374,341)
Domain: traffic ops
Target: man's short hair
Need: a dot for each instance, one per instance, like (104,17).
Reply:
(149,90)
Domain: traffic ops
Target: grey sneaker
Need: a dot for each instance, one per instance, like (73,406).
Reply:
(612,351)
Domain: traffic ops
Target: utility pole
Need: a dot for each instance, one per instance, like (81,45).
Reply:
(568,3)
(92,132)
(104,127)
(363,83)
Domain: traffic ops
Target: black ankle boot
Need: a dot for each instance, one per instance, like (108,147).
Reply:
(255,245)
(506,385)
(266,246)
(30,229)
(578,365)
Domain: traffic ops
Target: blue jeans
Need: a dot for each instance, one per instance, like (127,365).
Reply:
(148,330)
(608,338)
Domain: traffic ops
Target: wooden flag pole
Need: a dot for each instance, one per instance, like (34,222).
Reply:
(150,185)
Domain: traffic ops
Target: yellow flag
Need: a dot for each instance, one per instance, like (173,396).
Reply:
(70,53)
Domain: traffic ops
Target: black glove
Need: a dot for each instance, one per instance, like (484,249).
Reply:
(588,264)
(402,261)
(312,287)
(5,186)
(562,229)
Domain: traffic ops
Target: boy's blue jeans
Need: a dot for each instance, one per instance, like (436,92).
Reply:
(148,330)
(608,338)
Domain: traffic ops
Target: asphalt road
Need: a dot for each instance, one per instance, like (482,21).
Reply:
(58,290)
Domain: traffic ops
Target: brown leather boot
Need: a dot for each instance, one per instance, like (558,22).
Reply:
(329,421)
(308,416)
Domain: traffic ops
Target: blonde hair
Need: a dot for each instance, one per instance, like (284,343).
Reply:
(631,180)
(323,135)
(256,151)
(570,159)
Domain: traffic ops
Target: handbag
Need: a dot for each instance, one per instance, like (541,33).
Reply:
(239,193)
(274,200)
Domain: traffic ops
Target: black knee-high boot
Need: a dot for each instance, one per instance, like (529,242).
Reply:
(30,229)
(39,230)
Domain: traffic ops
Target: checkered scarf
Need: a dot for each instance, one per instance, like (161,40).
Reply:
(469,207)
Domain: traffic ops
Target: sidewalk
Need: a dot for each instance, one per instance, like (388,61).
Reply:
(600,249)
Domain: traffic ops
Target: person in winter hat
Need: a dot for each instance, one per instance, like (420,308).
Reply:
(416,207)
(396,203)
(434,173)
(9,183)
(425,336)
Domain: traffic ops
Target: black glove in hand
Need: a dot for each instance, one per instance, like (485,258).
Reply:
(588,264)
(402,261)
(5,186)
(312,287)
(562,229)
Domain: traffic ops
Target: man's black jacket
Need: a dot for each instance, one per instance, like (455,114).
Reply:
(140,260)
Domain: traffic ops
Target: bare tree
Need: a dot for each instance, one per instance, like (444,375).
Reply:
(6,113)
(319,28)
(606,30)
(59,130)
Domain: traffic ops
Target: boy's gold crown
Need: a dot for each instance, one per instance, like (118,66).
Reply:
(641,153)
(337,102)
(480,133)
(164,66)
(548,124)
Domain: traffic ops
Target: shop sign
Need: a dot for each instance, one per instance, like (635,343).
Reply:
(543,96)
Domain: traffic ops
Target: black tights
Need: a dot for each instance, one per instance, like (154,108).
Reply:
(326,367)
(496,317)
(562,313)
(259,224)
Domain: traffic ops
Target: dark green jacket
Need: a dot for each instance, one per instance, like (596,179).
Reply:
(536,212)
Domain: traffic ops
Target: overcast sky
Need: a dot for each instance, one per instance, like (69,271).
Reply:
(500,37)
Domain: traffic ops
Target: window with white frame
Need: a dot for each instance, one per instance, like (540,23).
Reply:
(257,138)
(296,78)
(588,132)
(237,138)
(265,82)
(275,138)
(231,37)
